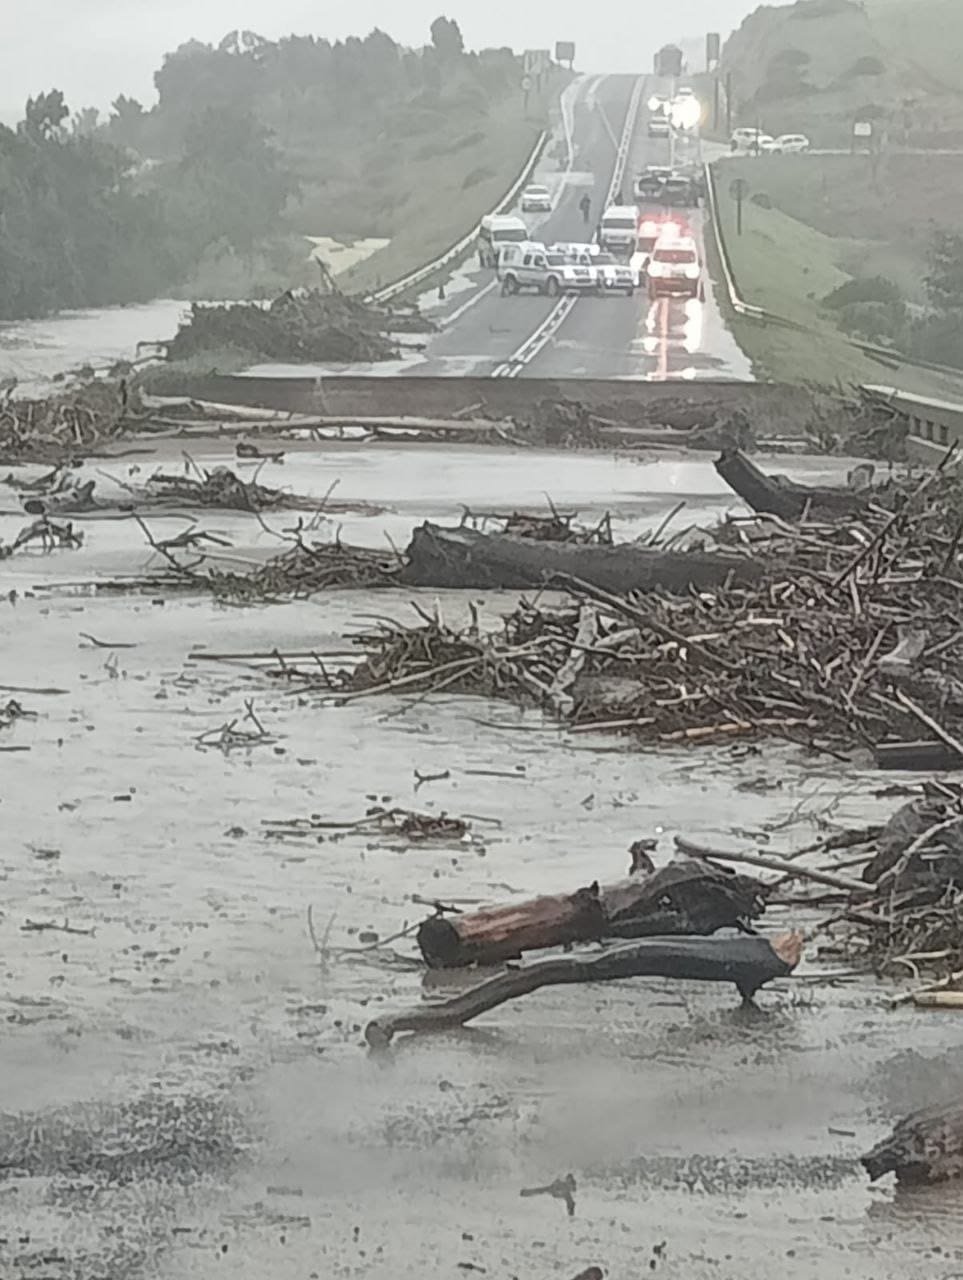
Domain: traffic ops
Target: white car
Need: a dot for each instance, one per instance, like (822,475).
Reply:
(532,266)
(536,199)
(675,268)
(764,144)
(613,275)
(685,91)
(744,139)
(790,143)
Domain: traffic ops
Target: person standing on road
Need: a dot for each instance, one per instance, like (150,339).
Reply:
(585,204)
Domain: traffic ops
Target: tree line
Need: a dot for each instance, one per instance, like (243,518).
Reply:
(96,211)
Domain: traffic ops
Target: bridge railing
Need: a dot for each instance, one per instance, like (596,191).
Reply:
(931,421)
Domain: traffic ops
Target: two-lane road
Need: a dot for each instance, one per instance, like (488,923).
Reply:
(482,328)
(671,338)
(482,333)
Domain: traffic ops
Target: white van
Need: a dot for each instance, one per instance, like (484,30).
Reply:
(496,231)
(618,228)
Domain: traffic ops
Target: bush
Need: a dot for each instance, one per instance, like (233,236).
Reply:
(481,174)
(865,289)
(790,58)
(762,200)
(874,321)
(866,66)
(939,339)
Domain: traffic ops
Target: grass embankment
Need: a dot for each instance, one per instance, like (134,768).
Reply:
(830,221)
(436,187)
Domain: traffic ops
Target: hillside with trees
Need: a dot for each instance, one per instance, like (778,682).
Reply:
(252,146)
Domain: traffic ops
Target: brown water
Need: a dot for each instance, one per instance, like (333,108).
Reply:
(186,1091)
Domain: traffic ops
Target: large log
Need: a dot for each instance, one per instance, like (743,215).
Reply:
(749,963)
(686,897)
(779,496)
(926,1146)
(465,558)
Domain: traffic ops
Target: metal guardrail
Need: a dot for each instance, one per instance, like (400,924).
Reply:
(740,307)
(452,255)
(937,422)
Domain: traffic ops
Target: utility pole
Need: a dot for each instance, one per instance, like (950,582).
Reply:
(729,103)
(717,89)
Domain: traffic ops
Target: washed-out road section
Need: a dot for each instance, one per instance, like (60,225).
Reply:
(703,1143)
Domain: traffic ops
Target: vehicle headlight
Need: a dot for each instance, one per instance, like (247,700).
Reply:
(657,269)
(692,271)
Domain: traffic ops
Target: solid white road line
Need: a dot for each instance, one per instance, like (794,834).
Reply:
(547,330)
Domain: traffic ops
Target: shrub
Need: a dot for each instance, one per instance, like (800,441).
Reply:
(939,339)
(874,321)
(762,200)
(866,66)
(481,174)
(863,289)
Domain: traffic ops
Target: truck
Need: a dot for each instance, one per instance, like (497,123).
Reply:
(668,62)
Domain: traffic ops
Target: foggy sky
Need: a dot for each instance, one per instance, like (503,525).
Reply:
(96,49)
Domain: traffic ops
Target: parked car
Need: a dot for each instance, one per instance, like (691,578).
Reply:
(680,191)
(659,127)
(612,275)
(532,266)
(648,185)
(789,143)
(744,139)
(536,199)
(674,268)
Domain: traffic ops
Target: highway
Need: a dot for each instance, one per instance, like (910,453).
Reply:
(589,337)
(600,144)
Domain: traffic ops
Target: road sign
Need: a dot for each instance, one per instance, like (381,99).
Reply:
(565,51)
(739,189)
(862,129)
(527,83)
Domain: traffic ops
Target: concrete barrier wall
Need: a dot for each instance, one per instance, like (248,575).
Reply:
(777,408)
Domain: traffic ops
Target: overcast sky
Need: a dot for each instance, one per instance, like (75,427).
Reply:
(95,49)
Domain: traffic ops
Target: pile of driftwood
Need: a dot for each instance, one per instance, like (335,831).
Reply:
(904,912)
(302,570)
(299,325)
(73,420)
(557,526)
(63,491)
(842,632)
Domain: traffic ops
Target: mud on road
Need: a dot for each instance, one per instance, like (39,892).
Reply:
(185,1088)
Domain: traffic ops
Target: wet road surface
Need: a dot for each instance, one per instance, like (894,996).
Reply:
(185,1088)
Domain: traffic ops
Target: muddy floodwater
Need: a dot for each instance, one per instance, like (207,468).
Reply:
(186,1092)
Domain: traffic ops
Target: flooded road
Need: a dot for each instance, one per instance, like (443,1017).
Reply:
(34,351)
(186,1091)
